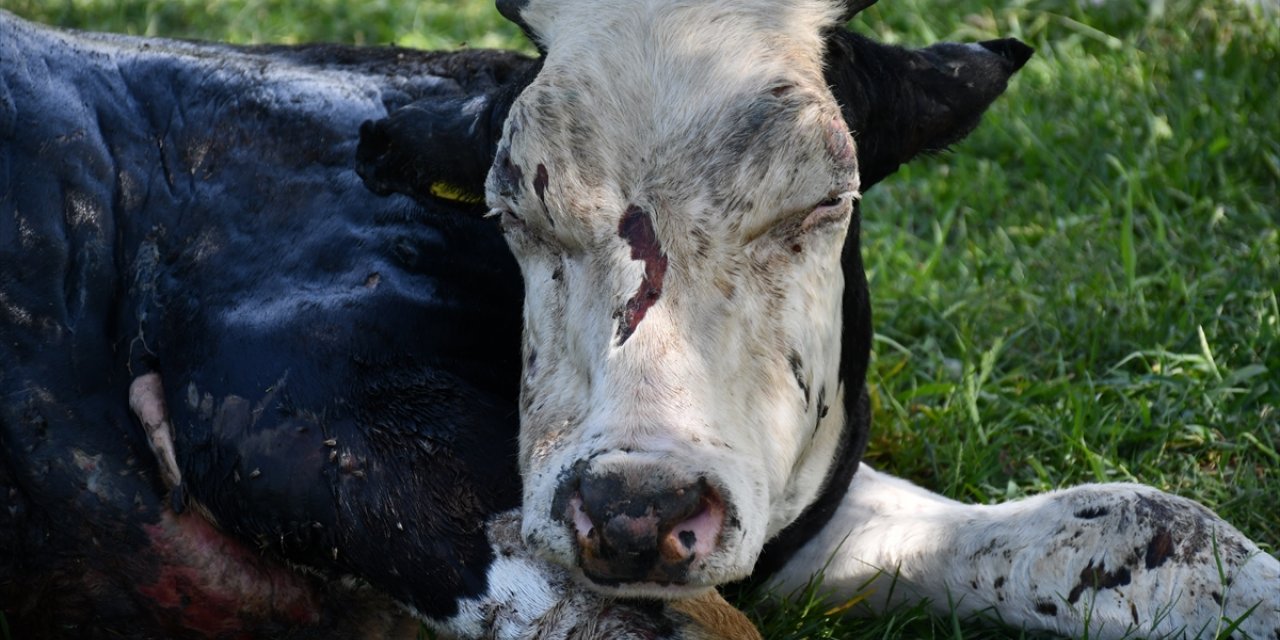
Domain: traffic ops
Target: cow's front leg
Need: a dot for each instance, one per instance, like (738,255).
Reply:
(1105,560)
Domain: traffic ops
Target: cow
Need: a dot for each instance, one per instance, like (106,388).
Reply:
(243,395)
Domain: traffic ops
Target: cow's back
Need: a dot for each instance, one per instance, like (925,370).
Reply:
(340,367)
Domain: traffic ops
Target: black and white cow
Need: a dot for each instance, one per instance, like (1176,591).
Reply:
(241,395)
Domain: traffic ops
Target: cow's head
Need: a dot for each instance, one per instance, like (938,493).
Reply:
(680,186)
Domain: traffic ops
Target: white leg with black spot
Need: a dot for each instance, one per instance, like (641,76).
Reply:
(1099,560)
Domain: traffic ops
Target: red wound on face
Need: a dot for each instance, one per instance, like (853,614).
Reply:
(636,228)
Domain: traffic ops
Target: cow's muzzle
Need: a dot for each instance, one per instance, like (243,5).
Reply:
(633,526)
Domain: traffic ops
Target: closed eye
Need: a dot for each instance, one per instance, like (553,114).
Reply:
(507,218)
(835,208)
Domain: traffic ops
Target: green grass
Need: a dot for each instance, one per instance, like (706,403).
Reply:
(1085,290)
(428,24)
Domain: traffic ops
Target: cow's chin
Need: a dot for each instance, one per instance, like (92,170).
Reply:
(647,590)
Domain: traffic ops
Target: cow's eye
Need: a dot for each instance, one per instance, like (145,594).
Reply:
(833,209)
(509,220)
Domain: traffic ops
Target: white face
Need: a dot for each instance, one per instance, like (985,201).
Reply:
(676,184)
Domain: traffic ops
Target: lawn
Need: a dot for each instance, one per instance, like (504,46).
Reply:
(1085,290)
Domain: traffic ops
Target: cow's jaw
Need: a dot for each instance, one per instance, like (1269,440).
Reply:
(676,184)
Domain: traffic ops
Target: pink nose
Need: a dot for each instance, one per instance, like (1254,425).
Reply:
(629,530)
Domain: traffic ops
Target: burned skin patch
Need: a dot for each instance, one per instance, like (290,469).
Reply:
(636,227)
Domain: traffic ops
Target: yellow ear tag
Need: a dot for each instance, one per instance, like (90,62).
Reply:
(446,191)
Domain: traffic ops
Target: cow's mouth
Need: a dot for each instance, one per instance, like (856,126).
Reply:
(631,534)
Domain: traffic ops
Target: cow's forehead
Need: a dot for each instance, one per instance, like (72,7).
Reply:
(671,63)
(683,101)
(571,29)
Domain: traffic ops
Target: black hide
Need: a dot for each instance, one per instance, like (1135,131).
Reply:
(342,368)
(441,149)
(899,103)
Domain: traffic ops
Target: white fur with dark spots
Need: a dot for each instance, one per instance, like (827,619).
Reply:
(1103,560)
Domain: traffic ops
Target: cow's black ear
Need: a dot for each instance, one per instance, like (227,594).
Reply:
(440,148)
(900,103)
(433,149)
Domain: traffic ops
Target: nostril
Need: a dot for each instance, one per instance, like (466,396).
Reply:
(688,539)
(631,527)
(581,521)
(697,535)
